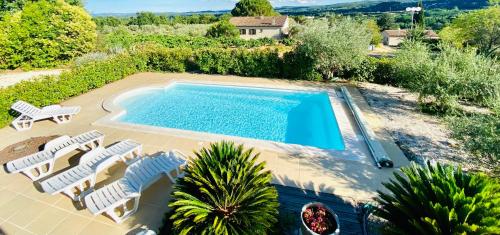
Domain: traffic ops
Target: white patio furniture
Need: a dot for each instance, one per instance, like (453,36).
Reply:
(41,164)
(113,198)
(29,114)
(81,179)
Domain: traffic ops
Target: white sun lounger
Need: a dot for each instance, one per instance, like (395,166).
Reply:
(30,114)
(80,180)
(41,164)
(113,198)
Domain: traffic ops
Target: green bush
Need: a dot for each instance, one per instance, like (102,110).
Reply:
(45,34)
(159,58)
(333,47)
(440,200)
(224,191)
(479,133)
(377,70)
(299,66)
(214,61)
(50,90)
(258,63)
(223,29)
(448,76)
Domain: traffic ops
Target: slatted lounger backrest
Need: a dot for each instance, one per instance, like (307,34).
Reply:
(25,108)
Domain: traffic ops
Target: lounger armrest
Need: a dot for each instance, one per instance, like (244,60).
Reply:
(91,155)
(51,107)
(180,154)
(57,141)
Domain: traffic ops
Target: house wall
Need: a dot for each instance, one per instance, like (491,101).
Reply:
(263,32)
(391,41)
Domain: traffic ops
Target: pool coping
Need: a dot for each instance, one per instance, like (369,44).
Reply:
(350,138)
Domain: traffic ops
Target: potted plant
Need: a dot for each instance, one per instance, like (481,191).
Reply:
(318,219)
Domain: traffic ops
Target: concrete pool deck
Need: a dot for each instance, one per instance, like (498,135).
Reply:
(25,210)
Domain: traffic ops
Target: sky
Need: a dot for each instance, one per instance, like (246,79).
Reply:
(132,6)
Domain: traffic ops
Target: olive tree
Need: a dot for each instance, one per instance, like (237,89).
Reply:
(334,47)
(480,29)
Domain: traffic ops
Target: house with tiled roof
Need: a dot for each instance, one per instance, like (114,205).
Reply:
(255,27)
(396,37)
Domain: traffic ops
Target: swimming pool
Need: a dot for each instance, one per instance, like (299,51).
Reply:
(286,116)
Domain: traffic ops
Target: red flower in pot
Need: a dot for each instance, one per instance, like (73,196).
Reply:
(318,219)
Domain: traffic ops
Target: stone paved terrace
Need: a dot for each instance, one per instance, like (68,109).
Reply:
(26,210)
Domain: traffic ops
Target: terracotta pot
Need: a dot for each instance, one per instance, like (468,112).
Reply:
(306,231)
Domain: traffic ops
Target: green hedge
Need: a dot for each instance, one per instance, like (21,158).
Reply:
(50,90)
(159,58)
(256,63)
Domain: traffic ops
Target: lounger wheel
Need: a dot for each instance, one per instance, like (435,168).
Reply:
(79,191)
(22,123)
(40,171)
(62,118)
(126,213)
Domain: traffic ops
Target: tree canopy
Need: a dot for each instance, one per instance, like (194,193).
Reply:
(334,47)
(375,31)
(253,8)
(45,33)
(419,19)
(480,29)
(13,5)
(386,21)
(147,18)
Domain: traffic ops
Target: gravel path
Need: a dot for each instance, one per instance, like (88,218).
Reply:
(420,136)
(9,79)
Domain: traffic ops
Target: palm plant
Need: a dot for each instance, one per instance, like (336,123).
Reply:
(224,191)
(440,200)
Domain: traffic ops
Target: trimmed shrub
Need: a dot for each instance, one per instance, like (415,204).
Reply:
(45,34)
(258,63)
(159,58)
(299,66)
(214,61)
(440,200)
(224,191)
(377,70)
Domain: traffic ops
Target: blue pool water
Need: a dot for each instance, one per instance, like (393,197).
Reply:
(293,117)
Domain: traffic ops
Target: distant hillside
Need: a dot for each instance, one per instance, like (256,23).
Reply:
(349,8)
(381,6)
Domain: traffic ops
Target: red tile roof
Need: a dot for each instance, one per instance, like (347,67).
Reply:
(401,33)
